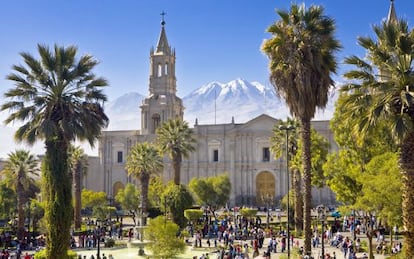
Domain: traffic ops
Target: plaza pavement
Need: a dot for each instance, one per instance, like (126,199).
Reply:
(191,252)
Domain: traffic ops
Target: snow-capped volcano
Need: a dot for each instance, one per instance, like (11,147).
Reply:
(218,102)
(214,102)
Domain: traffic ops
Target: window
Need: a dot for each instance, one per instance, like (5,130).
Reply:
(166,69)
(266,154)
(159,71)
(155,122)
(215,155)
(119,157)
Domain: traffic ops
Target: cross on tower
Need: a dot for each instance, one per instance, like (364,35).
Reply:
(162,17)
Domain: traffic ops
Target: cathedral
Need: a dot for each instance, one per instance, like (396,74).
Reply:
(240,150)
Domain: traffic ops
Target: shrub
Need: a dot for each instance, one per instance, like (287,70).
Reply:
(162,235)
(42,255)
(109,242)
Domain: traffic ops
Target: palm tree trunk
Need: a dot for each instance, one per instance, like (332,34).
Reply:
(298,202)
(58,197)
(20,209)
(144,197)
(307,176)
(177,167)
(370,235)
(77,187)
(407,173)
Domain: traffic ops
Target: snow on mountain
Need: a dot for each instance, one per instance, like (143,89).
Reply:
(214,102)
(218,102)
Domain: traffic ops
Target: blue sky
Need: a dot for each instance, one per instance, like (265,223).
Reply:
(214,39)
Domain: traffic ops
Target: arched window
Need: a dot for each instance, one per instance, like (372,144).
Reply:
(159,71)
(166,69)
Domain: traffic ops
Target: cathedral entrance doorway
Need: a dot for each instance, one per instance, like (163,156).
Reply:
(265,188)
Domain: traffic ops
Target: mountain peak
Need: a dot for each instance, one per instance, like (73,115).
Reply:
(214,102)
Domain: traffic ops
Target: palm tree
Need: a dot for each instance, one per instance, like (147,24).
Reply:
(278,147)
(176,138)
(381,91)
(57,99)
(301,53)
(143,162)
(20,168)
(78,162)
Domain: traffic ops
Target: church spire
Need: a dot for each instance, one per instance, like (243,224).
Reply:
(162,103)
(162,45)
(392,15)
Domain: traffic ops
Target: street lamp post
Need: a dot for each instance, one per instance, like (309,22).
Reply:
(98,235)
(287,128)
(321,215)
(354,226)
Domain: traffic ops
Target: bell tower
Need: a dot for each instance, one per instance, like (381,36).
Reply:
(162,103)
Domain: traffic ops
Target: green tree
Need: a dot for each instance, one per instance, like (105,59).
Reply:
(175,138)
(98,202)
(343,176)
(380,89)
(129,198)
(362,147)
(8,201)
(155,190)
(301,53)
(57,99)
(78,162)
(193,214)
(20,168)
(164,242)
(177,198)
(344,167)
(381,194)
(91,199)
(103,212)
(143,162)
(212,192)
(37,212)
(278,138)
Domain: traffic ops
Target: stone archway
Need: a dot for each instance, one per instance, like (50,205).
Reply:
(265,187)
(116,187)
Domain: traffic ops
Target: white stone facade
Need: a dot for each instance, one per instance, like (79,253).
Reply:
(241,150)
